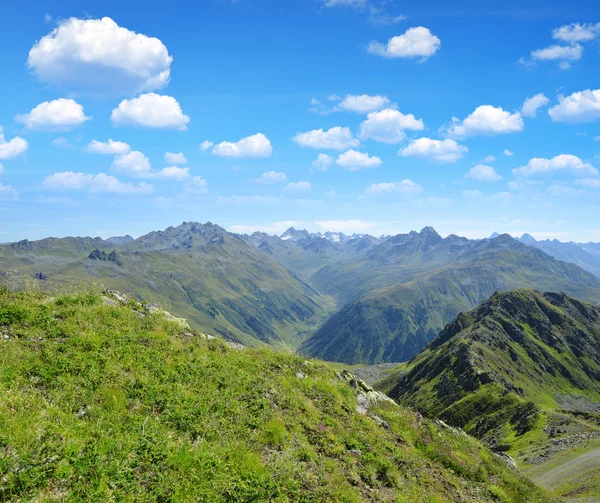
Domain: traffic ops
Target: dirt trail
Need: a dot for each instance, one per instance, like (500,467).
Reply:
(586,462)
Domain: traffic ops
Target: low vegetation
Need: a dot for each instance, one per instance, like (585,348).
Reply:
(104,401)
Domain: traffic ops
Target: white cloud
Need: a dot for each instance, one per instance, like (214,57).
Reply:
(108,147)
(272,177)
(436,151)
(152,111)
(132,164)
(297,186)
(533,104)
(508,153)
(577,32)
(257,145)
(560,163)
(485,120)
(363,103)
(591,183)
(1,169)
(558,52)
(322,162)
(582,106)
(67,180)
(336,138)
(483,173)
(489,158)
(198,185)
(172,158)
(388,126)
(99,57)
(206,145)
(404,187)
(12,148)
(56,115)
(8,193)
(173,174)
(107,184)
(416,42)
(101,183)
(355,161)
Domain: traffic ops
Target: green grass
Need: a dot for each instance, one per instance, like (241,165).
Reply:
(101,403)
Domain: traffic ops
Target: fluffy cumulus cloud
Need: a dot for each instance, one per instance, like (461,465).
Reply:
(336,138)
(486,120)
(561,163)
(272,177)
(206,145)
(558,52)
(322,162)
(173,174)
(67,180)
(402,187)
(298,186)
(483,173)
(11,148)
(110,147)
(56,115)
(533,104)
(98,56)
(436,151)
(257,145)
(416,42)
(363,103)
(388,126)
(173,158)
(101,183)
(582,106)
(355,161)
(508,153)
(107,184)
(132,164)
(152,111)
(577,32)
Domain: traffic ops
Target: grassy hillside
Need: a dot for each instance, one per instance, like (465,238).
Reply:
(393,324)
(201,272)
(510,369)
(108,402)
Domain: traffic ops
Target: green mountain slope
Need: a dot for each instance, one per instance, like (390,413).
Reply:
(201,272)
(395,323)
(109,402)
(501,371)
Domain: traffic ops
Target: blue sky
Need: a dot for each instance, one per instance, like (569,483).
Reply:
(353,115)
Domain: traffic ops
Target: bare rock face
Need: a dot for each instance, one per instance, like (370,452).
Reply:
(366,396)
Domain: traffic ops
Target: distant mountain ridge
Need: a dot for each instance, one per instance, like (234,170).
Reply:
(198,271)
(399,296)
(392,294)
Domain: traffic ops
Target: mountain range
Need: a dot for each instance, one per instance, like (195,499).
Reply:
(353,299)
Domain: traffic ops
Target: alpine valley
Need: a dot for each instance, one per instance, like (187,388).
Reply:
(497,339)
